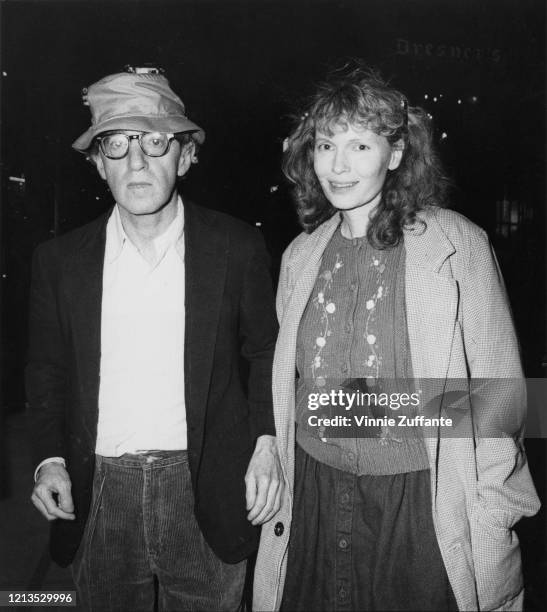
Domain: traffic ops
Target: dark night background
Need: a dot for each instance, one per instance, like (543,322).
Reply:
(241,69)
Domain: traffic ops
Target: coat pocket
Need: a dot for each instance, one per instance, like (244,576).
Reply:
(496,557)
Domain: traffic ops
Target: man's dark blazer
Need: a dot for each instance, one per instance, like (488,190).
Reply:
(229,313)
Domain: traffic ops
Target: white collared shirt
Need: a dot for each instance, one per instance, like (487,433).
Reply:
(141,392)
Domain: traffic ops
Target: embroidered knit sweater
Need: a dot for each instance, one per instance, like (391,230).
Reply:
(353,337)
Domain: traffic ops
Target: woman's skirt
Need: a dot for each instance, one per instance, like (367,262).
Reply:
(363,542)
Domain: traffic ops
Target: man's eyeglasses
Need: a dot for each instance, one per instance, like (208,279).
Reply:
(115,145)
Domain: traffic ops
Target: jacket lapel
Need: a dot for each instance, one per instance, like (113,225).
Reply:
(83,276)
(206,256)
(431,299)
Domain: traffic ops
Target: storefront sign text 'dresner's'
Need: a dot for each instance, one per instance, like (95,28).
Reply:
(424,50)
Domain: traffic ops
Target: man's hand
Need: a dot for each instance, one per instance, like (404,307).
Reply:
(264,481)
(51,494)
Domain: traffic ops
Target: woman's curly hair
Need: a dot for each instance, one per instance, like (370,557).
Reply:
(361,98)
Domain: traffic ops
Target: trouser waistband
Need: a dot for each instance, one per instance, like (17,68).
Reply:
(157,457)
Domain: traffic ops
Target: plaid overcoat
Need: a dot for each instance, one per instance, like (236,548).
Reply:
(460,328)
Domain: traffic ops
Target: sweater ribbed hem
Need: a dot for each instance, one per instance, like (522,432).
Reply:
(371,456)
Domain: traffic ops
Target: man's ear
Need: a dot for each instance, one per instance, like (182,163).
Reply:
(185,159)
(397,151)
(96,159)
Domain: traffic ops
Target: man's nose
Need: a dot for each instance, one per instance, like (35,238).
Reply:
(136,158)
(340,162)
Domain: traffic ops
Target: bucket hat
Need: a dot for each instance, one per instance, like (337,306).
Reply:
(134,101)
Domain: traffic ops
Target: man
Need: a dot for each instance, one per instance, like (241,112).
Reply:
(153,464)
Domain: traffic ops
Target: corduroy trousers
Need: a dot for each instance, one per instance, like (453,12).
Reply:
(142,548)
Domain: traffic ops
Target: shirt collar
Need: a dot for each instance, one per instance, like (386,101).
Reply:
(116,237)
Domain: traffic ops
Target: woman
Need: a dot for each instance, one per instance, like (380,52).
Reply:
(388,290)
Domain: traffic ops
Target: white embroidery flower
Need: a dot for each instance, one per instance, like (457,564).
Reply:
(330,307)
(376,262)
(320,341)
(371,338)
(320,297)
(380,291)
(338,265)
(370,304)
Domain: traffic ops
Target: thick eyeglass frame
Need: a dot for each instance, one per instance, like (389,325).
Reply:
(130,137)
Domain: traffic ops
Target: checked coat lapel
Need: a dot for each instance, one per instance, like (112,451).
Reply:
(431,299)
